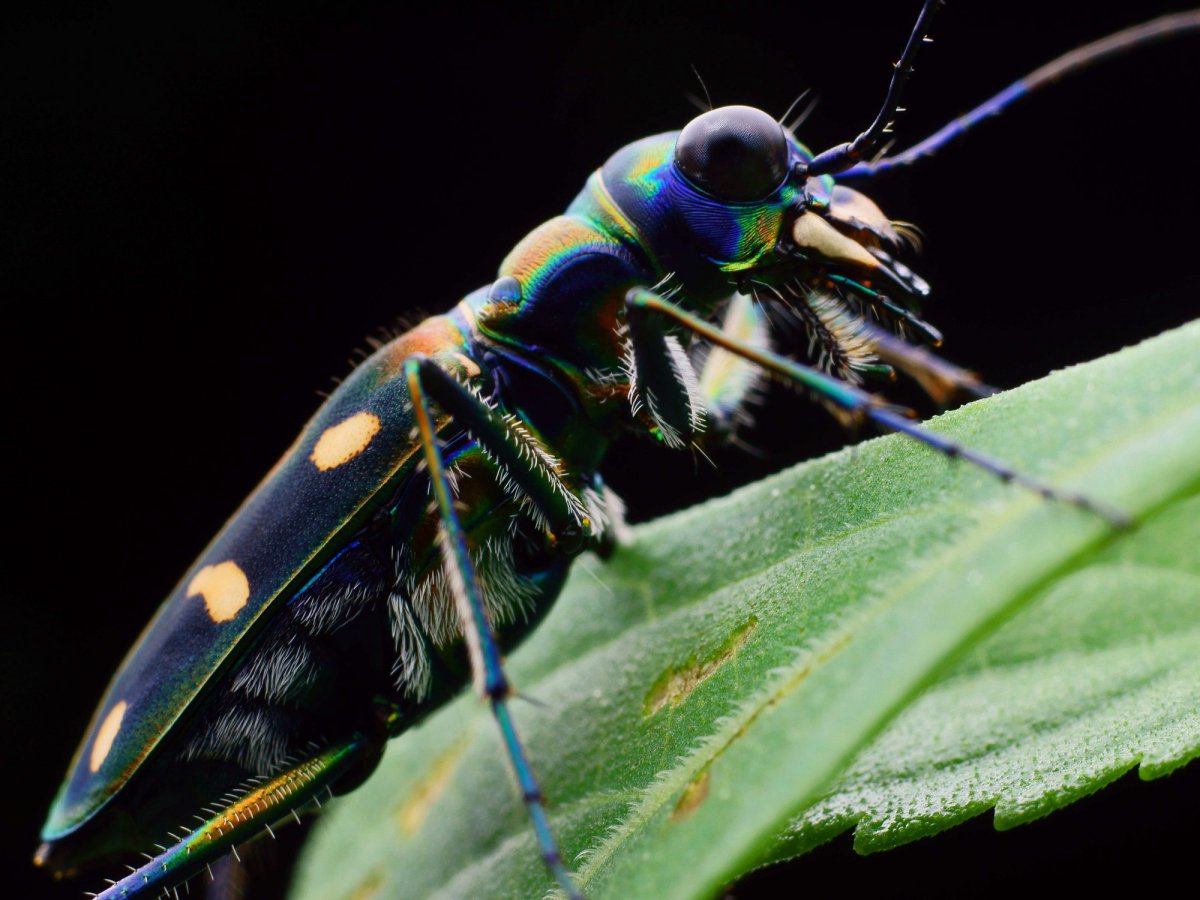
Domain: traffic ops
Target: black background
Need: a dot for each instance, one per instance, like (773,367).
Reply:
(206,209)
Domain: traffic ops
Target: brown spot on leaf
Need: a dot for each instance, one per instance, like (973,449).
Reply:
(410,815)
(368,888)
(693,795)
(677,683)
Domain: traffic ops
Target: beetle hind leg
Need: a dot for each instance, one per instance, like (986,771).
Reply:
(486,664)
(240,818)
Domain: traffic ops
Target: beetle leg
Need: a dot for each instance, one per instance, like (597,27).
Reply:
(244,818)
(859,404)
(663,383)
(942,380)
(486,665)
(520,455)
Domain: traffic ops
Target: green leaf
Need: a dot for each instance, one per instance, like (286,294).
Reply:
(881,638)
(1100,673)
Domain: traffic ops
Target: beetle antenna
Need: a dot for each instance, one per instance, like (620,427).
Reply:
(703,86)
(843,156)
(1077,60)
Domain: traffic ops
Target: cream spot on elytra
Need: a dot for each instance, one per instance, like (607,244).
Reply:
(340,443)
(106,734)
(224,587)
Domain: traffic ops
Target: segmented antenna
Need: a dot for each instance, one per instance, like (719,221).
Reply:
(867,144)
(1077,60)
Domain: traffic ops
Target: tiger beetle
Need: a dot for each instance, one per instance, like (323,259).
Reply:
(434,503)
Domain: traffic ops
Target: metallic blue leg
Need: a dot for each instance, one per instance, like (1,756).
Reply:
(257,805)
(481,640)
(858,402)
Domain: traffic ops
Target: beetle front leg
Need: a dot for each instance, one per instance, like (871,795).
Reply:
(942,380)
(857,403)
(520,455)
(486,665)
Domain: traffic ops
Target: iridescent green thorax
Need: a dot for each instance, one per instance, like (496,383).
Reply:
(638,222)
(556,306)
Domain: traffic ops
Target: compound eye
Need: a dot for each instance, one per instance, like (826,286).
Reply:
(735,153)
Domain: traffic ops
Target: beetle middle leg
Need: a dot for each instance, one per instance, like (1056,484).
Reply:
(646,307)
(426,382)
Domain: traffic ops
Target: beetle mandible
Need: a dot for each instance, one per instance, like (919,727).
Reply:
(339,580)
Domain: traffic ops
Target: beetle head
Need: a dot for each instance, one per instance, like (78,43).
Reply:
(742,189)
